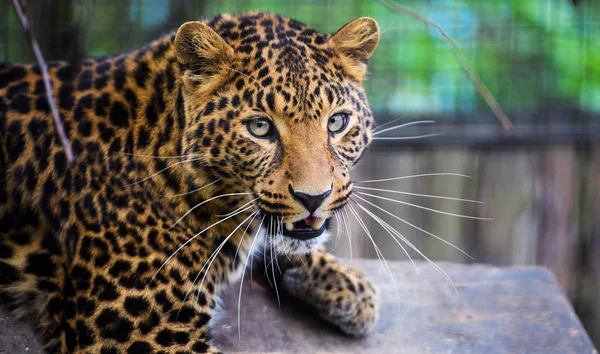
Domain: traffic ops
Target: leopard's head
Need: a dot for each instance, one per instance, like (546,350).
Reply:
(276,109)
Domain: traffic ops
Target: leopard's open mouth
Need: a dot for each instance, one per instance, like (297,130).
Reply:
(306,228)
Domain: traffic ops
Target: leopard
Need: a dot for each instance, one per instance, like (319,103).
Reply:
(227,138)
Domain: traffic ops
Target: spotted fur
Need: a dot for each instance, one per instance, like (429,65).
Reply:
(83,247)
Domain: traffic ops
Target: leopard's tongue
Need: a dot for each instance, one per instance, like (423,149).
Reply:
(311,222)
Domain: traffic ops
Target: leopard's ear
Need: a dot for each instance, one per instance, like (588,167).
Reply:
(355,43)
(203,52)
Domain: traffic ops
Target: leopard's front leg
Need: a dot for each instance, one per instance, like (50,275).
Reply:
(342,295)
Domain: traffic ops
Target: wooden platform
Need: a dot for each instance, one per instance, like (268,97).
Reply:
(494,310)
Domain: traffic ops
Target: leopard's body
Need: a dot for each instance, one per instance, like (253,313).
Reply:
(85,248)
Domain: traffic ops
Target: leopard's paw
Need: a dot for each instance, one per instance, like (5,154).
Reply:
(343,296)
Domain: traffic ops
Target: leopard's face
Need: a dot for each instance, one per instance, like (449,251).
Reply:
(276,109)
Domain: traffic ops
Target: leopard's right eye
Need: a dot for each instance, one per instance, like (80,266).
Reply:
(261,127)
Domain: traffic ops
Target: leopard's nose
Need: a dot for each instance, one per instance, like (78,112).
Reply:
(310,202)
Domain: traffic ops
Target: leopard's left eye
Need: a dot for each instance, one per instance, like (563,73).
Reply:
(260,127)
(337,122)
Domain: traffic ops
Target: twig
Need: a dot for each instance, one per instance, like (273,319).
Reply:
(39,58)
(462,62)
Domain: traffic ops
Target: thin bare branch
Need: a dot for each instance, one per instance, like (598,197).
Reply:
(39,58)
(460,58)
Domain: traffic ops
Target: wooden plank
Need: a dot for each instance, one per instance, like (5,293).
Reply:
(497,310)
(494,310)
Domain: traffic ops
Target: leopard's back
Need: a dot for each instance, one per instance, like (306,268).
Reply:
(45,202)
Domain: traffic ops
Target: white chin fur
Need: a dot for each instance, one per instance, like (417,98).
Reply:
(287,245)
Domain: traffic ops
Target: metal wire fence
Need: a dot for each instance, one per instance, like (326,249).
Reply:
(540,58)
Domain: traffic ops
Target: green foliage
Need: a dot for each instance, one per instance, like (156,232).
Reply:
(534,56)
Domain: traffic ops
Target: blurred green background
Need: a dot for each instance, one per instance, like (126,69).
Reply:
(539,58)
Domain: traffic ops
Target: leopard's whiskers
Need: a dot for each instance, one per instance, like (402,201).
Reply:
(378,252)
(400,126)
(210,259)
(368,233)
(244,273)
(273,272)
(279,234)
(342,226)
(259,234)
(419,195)
(379,221)
(414,226)
(413,176)
(390,122)
(349,233)
(192,239)
(226,215)
(407,137)
(212,256)
(411,245)
(155,157)
(244,234)
(267,240)
(422,207)
(418,122)
(217,252)
(190,192)
(206,201)
(159,172)
(338,227)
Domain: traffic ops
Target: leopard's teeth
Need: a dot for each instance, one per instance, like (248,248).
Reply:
(317,224)
(289,226)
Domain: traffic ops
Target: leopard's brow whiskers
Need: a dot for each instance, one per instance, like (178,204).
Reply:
(206,201)
(192,239)
(385,264)
(159,172)
(190,192)
(422,207)
(248,76)
(414,226)
(418,122)
(414,176)
(405,240)
(243,274)
(419,195)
